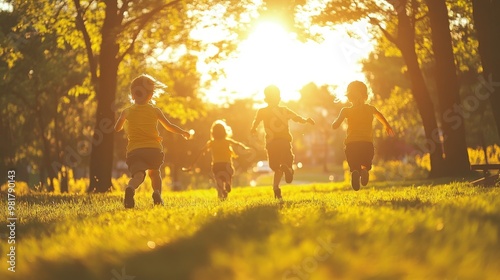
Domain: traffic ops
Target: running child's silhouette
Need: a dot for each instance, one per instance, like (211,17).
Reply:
(278,137)
(359,148)
(221,147)
(144,149)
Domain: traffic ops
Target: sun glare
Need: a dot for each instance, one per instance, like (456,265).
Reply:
(272,55)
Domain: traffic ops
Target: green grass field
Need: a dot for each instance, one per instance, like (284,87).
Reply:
(320,231)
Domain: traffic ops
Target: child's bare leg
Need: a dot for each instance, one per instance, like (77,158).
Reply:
(136,180)
(155,176)
(220,188)
(364,175)
(228,182)
(276,183)
(277,178)
(133,184)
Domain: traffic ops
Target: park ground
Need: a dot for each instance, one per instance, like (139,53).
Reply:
(387,230)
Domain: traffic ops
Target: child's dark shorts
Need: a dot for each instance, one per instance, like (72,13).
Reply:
(142,159)
(359,154)
(279,151)
(223,171)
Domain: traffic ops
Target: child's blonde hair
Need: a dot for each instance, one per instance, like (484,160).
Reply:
(144,88)
(220,130)
(357,91)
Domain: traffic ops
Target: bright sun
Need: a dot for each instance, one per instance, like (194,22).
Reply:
(271,55)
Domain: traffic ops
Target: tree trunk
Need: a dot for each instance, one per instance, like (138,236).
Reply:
(406,44)
(101,157)
(486,15)
(46,171)
(452,123)
(64,181)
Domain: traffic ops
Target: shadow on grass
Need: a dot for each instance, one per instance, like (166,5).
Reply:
(177,260)
(180,259)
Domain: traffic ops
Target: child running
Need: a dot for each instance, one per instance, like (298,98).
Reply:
(359,149)
(144,149)
(278,137)
(220,145)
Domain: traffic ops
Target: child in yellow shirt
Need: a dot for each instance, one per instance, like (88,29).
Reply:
(144,149)
(221,147)
(359,148)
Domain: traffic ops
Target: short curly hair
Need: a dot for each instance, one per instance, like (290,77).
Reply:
(357,90)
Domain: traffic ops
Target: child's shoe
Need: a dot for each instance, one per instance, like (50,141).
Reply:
(355,180)
(288,173)
(365,177)
(221,194)
(157,199)
(129,198)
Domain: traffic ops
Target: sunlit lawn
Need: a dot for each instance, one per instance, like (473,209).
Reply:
(322,231)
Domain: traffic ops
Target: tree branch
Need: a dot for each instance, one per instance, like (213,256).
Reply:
(146,16)
(143,21)
(80,24)
(124,7)
(386,33)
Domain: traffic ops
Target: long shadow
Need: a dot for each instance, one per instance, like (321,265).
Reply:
(180,259)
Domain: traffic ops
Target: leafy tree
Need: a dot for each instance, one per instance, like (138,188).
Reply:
(126,27)
(386,72)
(38,74)
(398,17)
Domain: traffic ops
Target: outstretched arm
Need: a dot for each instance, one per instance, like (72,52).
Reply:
(170,126)
(121,120)
(300,119)
(342,115)
(296,118)
(239,144)
(256,123)
(386,124)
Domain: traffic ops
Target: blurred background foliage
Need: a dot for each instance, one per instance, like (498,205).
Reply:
(48,96)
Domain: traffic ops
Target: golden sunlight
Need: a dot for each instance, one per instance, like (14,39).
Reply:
(272,55)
